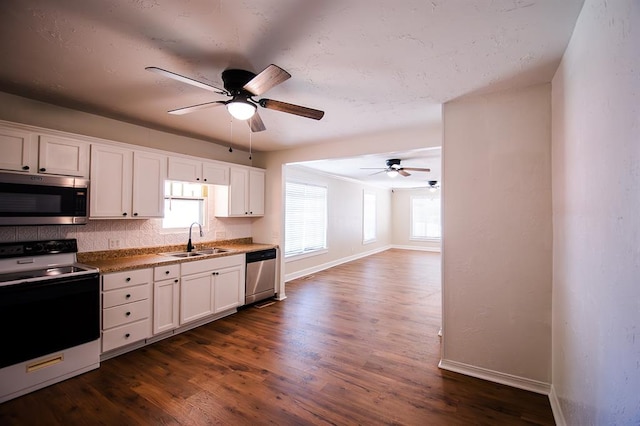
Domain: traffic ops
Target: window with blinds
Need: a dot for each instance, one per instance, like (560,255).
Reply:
(425,218)
(305,218)
(368,217)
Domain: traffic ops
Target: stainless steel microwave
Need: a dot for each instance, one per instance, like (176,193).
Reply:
(28,199)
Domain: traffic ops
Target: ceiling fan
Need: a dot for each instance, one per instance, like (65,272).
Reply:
(394,169)
(241,86)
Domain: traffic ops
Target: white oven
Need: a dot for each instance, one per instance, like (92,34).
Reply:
(49,315)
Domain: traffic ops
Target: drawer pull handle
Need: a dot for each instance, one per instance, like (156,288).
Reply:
(128,296)
(43,169)
(126,336)
(128,314)
(175,281)
(124,214)
(166,272)
(25,167)
(128,279)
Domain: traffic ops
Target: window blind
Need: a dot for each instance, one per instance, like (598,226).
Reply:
(305,218)
(368,217)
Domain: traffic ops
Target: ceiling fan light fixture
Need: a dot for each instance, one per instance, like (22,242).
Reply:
(241,109)
(392,173)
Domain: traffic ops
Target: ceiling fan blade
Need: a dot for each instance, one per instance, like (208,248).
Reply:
(270,77)
(187,80)
(404,173)
(416,169)
(186,110)
(255,123)
(381,171)
(291,109)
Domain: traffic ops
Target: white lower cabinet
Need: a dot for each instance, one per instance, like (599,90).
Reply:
(126,308)
(211,286)
(166,298)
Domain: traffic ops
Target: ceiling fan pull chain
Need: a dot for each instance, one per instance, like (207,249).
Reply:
(231,136)
(250,132)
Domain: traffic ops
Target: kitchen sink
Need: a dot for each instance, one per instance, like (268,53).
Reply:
(182,254)
(211,250)
(195,253)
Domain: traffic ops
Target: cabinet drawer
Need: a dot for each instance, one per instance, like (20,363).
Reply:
(123,314)
(165,272)
(207,265)
(125,295)
(126,279)
(126,334)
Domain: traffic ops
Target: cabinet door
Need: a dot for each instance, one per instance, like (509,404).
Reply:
(196,297)
(238,183)
(215,174)
(110,183)
(16,151)
(149,173)
(256,192)
(184,169)
(62,156)
(229,289)
(166,305)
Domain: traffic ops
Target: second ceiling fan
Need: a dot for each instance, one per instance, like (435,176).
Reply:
(241,86)
(394,168)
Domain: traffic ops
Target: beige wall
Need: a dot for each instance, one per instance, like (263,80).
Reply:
(26,111)
(497,236)
(401,220)
(596,211)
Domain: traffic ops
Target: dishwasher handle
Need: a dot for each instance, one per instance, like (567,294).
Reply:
(259,256)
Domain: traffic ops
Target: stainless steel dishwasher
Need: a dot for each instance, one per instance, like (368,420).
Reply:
(260,275)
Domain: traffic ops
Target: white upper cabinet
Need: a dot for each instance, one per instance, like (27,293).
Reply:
(190,170)
(62,156)
(16,148)
(149,173)
(244,196)
(125,183)
(27,152)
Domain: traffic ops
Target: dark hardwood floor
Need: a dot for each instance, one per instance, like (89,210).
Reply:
(356,344)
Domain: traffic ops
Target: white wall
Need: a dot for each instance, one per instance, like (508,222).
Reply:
(497,236)
(131,233)
(344,221)
(401,220)
(596,219)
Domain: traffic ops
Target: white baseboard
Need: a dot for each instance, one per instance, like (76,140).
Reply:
(433,249)
(496,376)
(558,416)
(322,267)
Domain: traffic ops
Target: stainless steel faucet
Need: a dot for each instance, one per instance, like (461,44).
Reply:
(190,246)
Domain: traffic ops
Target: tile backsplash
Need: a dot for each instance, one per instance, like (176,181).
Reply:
(130,233)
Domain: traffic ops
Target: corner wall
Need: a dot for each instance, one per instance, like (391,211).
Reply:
(596,219)
(344,222)
(497,237)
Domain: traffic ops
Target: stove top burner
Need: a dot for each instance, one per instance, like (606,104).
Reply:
(52,272)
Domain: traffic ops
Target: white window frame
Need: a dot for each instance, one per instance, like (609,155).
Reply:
(431,197)
(369,217)
(311,249)
(170,196)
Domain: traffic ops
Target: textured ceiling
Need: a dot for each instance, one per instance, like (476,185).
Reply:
(371,65)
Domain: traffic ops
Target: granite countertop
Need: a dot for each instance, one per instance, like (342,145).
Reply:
(139,258)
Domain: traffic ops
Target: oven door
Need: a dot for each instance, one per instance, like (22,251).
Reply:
(39,318)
